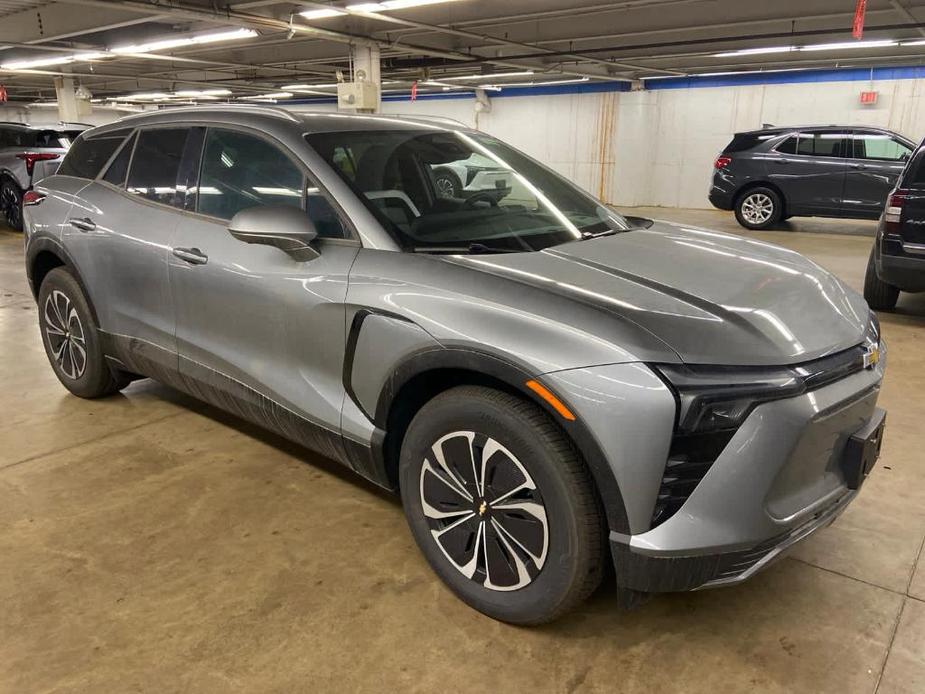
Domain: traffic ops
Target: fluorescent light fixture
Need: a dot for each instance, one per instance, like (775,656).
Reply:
(166,44)
(919,42)
(754,51)
(195,93)
(55,60)
(577,80)
(297,87)
(270,96)
(386,5)
(366,7)
(848,45)
(322,13)
(489,76)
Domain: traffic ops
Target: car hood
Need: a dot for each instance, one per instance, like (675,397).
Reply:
(713,298)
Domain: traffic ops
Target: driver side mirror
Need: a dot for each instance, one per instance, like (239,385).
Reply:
(286,228)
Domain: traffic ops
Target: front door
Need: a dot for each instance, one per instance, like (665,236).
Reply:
(258,330)
(878,161)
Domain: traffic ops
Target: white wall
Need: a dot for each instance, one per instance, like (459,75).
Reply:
(42,115)
(657,147)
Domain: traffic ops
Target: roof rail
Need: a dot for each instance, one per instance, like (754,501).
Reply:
(244,108)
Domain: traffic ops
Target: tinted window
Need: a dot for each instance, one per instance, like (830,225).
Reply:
(745,141)
(240,171)
(788,146)
(823,144)
(87,157)
(156,163)
(115,174)
(876,146)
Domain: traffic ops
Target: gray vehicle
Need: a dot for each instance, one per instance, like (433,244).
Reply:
(770,175)
(549,385)
(29,154)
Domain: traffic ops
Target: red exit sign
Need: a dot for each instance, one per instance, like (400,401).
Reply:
(869,97)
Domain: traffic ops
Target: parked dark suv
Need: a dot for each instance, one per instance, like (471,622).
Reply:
(773,174)
(897,260)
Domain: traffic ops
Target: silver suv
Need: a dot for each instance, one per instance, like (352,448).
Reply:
(550,386)
(29,154)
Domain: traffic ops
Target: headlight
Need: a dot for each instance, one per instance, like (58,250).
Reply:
(716,398)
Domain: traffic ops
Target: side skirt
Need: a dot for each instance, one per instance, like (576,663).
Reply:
(238,399)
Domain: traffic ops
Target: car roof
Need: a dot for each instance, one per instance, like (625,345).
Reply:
(274,117)
(781,130)
(44,126)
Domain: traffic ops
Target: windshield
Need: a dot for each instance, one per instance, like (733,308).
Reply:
(444,191)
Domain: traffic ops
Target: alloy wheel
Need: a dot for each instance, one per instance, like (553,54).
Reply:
(65,334)
(445,187)
(757,208)
(484,511)
(9,202)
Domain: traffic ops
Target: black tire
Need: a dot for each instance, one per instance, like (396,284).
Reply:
(11,203)
(879,295)
(68,329)
(759,208)
(447,184)
(572,563)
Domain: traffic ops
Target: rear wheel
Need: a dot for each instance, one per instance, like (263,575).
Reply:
(71,338)
(501,505)
(447,184)
(11,203)
(880,296)
(759,208)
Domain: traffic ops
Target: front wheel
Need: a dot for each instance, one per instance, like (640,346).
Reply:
(71,339)
(759,208)
(879,295)
(11,204)
(501,505)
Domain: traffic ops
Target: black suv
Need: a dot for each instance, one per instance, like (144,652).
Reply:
(773,174)
(897,260)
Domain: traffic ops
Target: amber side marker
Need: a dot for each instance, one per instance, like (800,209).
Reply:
(553,401)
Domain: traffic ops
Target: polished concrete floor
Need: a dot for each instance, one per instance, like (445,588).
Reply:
(152,544)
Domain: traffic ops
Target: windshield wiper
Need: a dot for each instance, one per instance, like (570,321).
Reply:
(472,249)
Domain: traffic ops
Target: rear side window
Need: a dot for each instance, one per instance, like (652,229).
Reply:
(819,144)
(156,163)
(86,158)
(915,174)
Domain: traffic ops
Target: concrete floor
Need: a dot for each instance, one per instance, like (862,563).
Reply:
(150,543)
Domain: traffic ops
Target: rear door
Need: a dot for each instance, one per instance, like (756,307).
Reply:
(810,169)
(878,160)
(122,226)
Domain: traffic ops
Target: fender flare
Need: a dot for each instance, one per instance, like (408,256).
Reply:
(515,376)
(47,244)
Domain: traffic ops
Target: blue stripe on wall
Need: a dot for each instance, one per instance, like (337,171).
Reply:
(796,77)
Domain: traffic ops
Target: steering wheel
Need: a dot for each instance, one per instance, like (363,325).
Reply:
(482,196)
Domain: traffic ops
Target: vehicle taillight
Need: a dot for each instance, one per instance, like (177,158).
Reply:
(894,210)
(722,162)
(30,197)
(31,157)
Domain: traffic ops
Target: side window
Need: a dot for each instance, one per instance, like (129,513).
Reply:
(86,157)
(117,170)
(240,171)
(824,143)
(156,163)
(882,147)
(788,146)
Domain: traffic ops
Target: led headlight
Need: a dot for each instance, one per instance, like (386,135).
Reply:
(716,398)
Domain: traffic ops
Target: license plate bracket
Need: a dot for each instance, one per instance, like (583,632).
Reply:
(863,449)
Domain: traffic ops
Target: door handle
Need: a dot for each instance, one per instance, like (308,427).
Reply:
(859,167)
(783,161)
(193,256)
(85,224)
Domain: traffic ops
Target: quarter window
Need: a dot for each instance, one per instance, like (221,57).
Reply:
(788,146)
(115,174)
(86,158)
(156,163)
(823,144)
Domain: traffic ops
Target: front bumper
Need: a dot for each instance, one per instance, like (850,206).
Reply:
(790,470)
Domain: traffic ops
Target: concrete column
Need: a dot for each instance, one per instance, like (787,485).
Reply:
(68,109)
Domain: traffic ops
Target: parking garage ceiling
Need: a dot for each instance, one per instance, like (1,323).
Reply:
(131,50)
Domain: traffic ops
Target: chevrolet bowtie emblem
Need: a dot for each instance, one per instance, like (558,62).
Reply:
(871,357)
